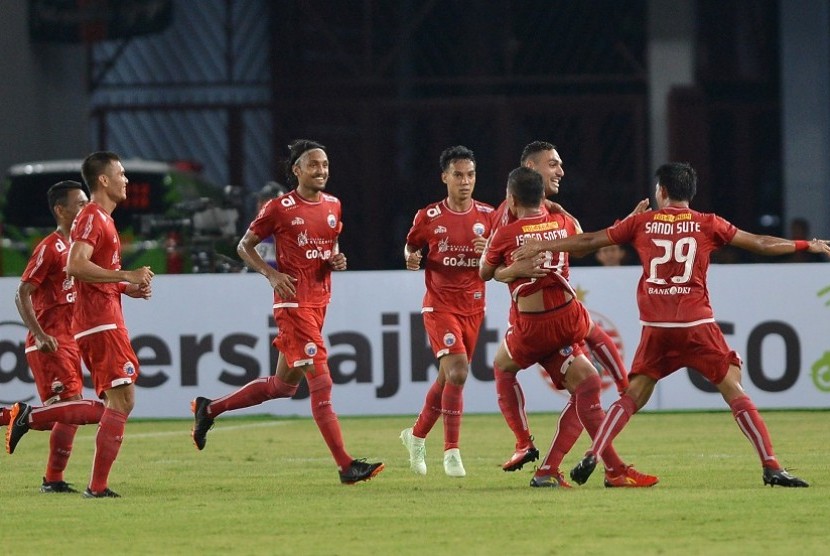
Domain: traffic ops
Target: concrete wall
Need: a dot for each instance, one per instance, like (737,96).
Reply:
(43,98)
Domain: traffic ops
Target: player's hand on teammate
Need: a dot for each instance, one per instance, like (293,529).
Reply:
(338,261)
(529,268)
(641,207)
(556,208)
(530,250)
(283,284)
(46,343)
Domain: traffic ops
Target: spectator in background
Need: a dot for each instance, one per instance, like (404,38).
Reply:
(611,255)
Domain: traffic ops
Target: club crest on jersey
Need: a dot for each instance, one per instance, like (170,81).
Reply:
(449,339)
(297,222)
(478,229)
(439,230)
(566,351)
(332,220)
(129,368)
(57,387)
(311,349)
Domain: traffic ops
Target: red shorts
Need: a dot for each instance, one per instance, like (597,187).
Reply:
(300,335)
(58,375)
(450,333)
(110,358)
(665,350)
(553,338)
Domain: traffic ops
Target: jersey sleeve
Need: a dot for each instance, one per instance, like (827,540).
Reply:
(623,230)
(416,237)
(87,228)
(265,222)
(39,265)
(723,231)
(494,252)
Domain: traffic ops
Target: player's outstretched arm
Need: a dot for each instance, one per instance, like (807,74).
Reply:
(580,243)
(772,246)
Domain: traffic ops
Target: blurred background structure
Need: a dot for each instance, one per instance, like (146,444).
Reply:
(739,88)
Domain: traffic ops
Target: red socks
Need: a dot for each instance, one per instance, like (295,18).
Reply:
(512,404)
(590,411)
(60,448)
(753,427)
(568,430)
(107,444)
(76,412)
(431,411)
(446,401)
(253,393)
(615,420)
(605,351)
(452,404)
(326,419)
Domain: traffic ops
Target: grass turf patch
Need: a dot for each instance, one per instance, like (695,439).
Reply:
(269,486)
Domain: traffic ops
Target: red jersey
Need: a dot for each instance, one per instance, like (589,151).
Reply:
(674,245)
(55,291)
(503,216)
(545,226)
(99,304)
(305,234)
(451,269)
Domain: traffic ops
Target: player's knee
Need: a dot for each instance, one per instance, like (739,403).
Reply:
(319,382)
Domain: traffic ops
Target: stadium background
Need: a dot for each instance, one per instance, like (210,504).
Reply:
(739,89)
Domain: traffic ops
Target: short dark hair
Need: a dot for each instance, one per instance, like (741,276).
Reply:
(59,193)
(679,179)
(296,149)
(96,165)
(531,149)
(527,186)
(458,152)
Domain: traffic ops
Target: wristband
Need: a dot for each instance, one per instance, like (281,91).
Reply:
(801,244)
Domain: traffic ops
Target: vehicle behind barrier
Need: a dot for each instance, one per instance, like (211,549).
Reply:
(173,220)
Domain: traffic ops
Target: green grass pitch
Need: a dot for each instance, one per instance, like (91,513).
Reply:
(269,486)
